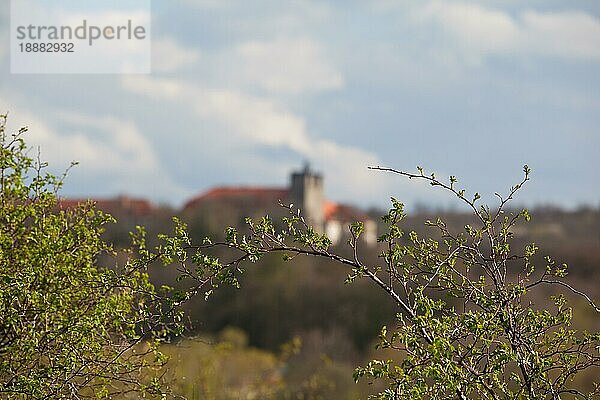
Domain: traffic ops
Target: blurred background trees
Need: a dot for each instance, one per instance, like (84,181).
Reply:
(475,315)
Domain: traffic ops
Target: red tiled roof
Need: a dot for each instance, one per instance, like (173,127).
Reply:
(329,209)
(261,194)
(343,212)
(270,196)
(71,203)
(121,203)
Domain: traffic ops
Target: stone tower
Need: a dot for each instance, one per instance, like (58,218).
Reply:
(306,192)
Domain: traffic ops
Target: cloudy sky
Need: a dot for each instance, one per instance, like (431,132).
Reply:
(243,92)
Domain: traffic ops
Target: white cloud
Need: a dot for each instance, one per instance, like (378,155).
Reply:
(102,141)
(282,66)
(269,14)
(103,146)
(478,30)
(252,121)
(567,34)
(272,46)
(253,118)
(474,25)
(154,88)
(170,56)
(287,65)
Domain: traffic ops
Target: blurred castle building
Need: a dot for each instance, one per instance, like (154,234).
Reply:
(229,206)
(305,191)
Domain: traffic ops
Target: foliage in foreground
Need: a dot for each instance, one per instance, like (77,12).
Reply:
(466,325)
(68,327)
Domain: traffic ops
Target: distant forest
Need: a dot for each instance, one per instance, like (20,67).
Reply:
(278,300)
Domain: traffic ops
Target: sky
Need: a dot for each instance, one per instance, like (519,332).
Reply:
(244,92)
